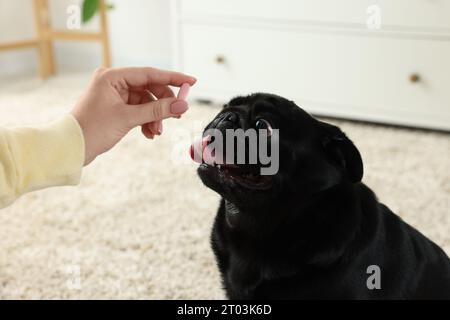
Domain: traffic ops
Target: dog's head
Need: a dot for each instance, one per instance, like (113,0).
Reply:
(310,156)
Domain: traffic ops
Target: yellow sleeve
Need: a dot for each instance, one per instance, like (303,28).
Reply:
(33,158)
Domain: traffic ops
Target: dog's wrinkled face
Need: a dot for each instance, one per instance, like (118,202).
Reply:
(312,155)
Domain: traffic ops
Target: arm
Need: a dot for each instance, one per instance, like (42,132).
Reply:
(33,158)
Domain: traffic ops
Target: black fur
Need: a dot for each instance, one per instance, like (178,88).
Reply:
(316,230)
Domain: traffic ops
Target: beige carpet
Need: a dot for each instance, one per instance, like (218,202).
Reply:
(138,225)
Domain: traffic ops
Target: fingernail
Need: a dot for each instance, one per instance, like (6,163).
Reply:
(160,128)
(179,107)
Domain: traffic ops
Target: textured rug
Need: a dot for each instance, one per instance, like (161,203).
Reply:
(138,224)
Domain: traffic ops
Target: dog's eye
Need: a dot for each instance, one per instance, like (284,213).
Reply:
(263,124)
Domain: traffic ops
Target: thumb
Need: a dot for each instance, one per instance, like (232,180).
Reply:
(156,110)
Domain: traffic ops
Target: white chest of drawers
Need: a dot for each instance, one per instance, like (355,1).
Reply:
(321,54)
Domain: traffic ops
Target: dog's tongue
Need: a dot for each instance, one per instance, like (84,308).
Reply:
(197,149)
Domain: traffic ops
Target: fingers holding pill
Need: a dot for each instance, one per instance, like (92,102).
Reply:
(156,90)
(178,107)
(119,100)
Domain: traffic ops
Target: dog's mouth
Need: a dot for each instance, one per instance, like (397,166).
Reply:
(247,176)
(237,174)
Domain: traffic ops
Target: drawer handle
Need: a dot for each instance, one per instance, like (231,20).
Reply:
(220,59)
(414,78)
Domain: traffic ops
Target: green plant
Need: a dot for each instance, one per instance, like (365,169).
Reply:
(90,8)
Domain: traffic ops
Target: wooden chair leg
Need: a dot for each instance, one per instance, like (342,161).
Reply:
(43,68)
(45,46)
(48,41)
(104,34)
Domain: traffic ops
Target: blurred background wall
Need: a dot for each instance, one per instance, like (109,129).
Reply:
(130,21)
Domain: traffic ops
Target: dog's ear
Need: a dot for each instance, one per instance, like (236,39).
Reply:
(342,151)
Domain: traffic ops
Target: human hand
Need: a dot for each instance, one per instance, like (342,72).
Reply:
(119,100)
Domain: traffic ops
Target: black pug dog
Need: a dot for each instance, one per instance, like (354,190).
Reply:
(313,230)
